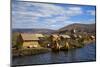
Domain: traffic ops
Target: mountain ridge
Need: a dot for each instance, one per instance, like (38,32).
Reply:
(89,28)
(80,27)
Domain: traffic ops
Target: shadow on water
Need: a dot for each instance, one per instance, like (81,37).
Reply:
(87,53)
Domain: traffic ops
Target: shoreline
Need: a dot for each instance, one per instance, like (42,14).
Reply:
(29,51)
(33,51)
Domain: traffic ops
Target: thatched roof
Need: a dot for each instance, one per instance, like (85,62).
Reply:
(65,36)
(92,36)
(39,35)
(75,35)
(27,36)
(55,35)
(79,36)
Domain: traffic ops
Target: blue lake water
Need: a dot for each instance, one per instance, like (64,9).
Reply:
(87,53)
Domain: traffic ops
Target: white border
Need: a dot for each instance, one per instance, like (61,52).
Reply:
(90,2)
(5,33)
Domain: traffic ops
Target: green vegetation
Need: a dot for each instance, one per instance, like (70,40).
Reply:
(29,51)
(14,39)
(45,41)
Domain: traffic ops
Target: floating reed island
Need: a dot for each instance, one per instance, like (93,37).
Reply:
(66,42)
(29,51)
(29,43)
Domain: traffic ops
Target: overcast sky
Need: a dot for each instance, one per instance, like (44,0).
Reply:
(50,16)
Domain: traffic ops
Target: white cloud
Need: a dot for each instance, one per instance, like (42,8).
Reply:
(56,20)
(72,11)
(91,12)
(45,10)
(27,14)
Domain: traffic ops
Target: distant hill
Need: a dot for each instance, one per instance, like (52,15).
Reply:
(43,31)
(89,28)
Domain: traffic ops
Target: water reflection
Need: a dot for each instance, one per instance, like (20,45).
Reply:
(82,54)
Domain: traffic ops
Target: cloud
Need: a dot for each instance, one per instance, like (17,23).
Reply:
(44,10)
(43,15)
(91,12)
(56,20)
(74,11)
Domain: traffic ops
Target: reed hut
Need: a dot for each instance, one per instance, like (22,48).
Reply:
(55,41)
(74,36)
(65,36)
(41,38)
(39,35)
(92,37)
(65,42)
(28,40)
(55,37)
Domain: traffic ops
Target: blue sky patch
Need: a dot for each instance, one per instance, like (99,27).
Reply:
(50,16)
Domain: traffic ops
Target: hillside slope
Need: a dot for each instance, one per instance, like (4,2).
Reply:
(89,28)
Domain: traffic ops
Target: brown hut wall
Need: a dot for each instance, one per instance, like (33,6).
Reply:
(26,44)
(19,41)
(30,40)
